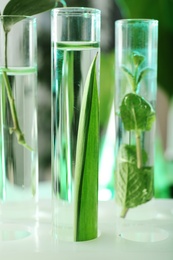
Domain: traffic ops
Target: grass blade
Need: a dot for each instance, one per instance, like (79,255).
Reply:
(86,171)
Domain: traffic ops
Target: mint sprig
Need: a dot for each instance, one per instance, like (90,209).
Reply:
(138,74)
(134,179)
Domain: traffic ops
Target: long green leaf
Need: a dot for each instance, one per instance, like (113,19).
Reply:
(66,100)
(26,8)
(86,171)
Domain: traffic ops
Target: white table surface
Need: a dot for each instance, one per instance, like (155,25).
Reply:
(40,245)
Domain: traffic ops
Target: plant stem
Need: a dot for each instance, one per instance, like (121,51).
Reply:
(138,144)
(16,128)
(6,43)
(124,212)
(63,3)
(138,150)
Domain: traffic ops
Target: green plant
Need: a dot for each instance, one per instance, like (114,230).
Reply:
(14,11)
(163,12)
(134,179)
(86,170)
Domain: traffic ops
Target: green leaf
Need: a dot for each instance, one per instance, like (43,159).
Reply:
(128,153)
(137,59)
(133,186)
(66,100)
(133,78)
(130,77)
(136,113)
(86,169)
(142,74)
(29,7)
(25,8)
